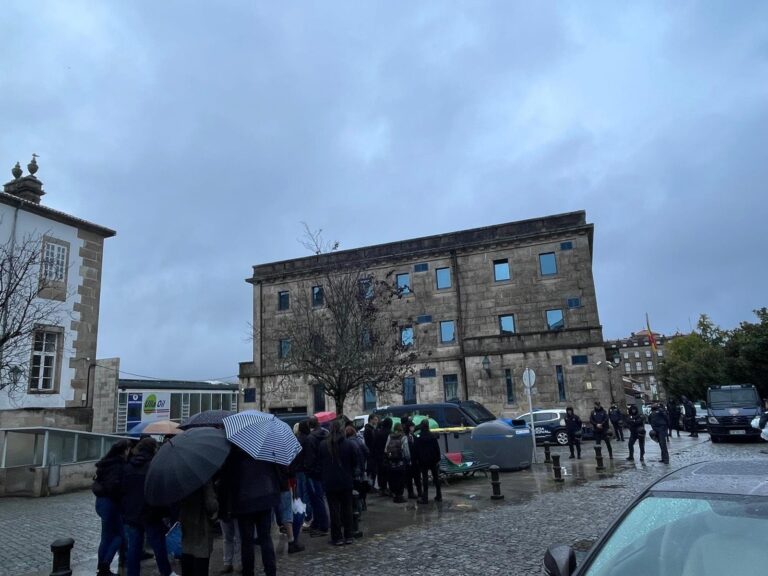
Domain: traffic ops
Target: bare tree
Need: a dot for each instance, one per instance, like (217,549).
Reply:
(22,311)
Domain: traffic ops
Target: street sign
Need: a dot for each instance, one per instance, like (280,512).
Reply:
(529,378)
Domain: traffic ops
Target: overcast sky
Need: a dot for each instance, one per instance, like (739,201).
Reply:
(205,132)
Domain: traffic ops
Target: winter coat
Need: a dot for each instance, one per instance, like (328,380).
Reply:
(338,473)
(109,475)
(196,515)
(404,448)
(635,420)
(659,420)
(312,465)
(689,409)
(369,432)
(599,420)
(361,455)
(426,448)
(380,442)
(573,424)
(248,485)
(299,463)
(615,415)
(134,507)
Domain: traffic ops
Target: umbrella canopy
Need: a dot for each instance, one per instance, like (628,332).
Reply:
(214,418)
(184,464)
(419,417)
(159,427)
(323,417)
(263,436)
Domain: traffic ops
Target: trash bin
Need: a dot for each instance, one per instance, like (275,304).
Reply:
(505,443)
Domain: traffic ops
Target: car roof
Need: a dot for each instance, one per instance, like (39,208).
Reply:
(733,477)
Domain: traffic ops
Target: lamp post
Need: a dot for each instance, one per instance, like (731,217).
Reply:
(609,367)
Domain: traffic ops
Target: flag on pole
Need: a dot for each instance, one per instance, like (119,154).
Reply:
(651,338)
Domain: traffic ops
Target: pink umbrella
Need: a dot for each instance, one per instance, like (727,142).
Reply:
(323,417)
(162,428)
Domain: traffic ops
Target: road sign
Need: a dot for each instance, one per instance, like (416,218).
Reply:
(529,378)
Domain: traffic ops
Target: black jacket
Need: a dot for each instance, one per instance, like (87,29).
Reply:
(338,473)
(426,448)
(600,422)
(248,485)
(635,420)
(658,419)
(380,442)
(299,463)
(689,409)
(615,415)
(369,432)
(312,465)
(109,476)
(572,423)
(134,507)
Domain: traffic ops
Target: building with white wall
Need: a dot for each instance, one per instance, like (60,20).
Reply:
(46,373)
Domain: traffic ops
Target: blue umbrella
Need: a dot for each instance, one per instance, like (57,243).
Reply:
(262,436)
(212,418)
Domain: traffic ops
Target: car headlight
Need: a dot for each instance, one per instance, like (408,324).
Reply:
(712,420)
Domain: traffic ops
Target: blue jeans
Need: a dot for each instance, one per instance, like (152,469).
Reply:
(317,498)
(111,529)
(155,533)
(302,491)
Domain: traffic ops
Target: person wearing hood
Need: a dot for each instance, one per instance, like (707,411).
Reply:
(573,427)
(338,460)
(616,417)
(636,424)
(600,424)
(379,445)
(140,518)
(106,488)
(314,471)
(427,453)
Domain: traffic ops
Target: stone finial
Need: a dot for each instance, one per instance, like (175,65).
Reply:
(32,166)
(17,172)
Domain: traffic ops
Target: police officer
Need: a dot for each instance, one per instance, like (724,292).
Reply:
(636,424)
(600,423)
(690,416)
(660,423)
(573,429)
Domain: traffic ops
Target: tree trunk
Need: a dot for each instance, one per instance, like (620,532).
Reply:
(338,400)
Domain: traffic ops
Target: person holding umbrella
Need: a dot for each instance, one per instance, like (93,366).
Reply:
(197,514)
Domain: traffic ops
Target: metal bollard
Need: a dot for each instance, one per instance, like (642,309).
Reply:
(62,548)
(495,483)
(556,470)
(547,453)
(599,458)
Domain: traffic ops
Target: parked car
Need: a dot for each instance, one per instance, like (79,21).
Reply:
(706,518)
(730,410)
(454,414)
(549,425)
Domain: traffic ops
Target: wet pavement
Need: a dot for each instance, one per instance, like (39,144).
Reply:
(466,533)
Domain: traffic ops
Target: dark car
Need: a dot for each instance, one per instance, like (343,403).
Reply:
(730,410)
(549,426)
(454,414)
(706,518)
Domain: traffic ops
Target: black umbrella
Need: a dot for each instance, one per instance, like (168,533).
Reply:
(184,464)
(212,418)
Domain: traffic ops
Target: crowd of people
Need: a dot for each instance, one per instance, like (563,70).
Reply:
(322,493)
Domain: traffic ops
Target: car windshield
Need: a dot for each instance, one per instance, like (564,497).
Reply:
(697,534)
(746,397)
(477,412)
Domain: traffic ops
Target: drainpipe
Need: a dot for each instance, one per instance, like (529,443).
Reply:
(460,325)
(261,348)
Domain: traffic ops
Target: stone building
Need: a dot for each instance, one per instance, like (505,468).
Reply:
(484,304)
(637,363)
(45,380)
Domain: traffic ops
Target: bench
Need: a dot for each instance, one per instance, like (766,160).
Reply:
(460,464)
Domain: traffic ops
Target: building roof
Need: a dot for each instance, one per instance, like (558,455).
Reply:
(55,215)
(124,384)
(570,222)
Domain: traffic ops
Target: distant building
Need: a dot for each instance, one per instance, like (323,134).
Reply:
(637,363)
(484,304)
(46,380)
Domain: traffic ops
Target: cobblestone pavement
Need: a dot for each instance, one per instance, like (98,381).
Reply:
(467,534)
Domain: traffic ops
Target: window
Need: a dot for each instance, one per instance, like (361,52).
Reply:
(507,324)
(574,303)
(447,331)
(580,360)
(318,396)
(283,348)
(649,366)
(423,319)
(318,296)
(548,264)
(637,354)
(443,278)
(283,300)
(55,256)
(501,270)
(510,385)
(560,382)
(205,402)
(365,288)
(555,319)
(427,373)
(647,353)
(194,403)
(659,353)
(639,366)
(45,357)
(409,390)
(453,417)
(451,386)
(422,267)
(566,245)
(404,283)
(626,355)
(627,367)
(369,397)
(175,409)
(406,335)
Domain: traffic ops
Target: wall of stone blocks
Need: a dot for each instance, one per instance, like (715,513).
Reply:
(105,381)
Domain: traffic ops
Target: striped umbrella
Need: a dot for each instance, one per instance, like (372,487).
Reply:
(211,418)
(262,436)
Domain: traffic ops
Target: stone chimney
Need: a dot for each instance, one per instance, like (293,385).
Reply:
(27,188)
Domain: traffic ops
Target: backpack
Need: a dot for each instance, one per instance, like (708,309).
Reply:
(394,450)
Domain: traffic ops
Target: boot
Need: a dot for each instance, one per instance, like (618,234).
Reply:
(103,570)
